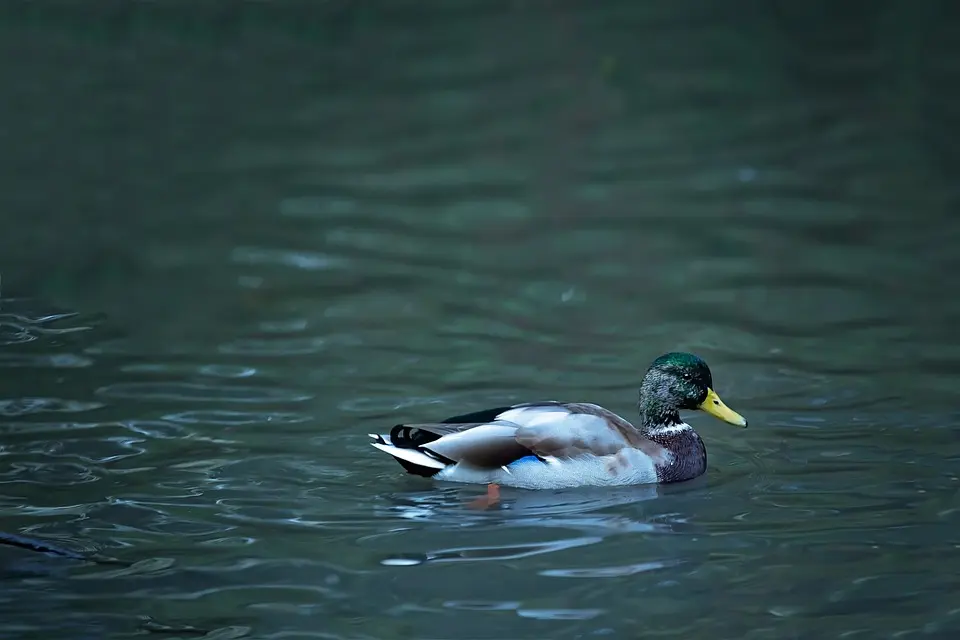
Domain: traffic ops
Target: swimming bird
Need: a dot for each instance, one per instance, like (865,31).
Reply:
(552,445)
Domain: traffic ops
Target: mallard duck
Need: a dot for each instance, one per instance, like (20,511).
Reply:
(552,445)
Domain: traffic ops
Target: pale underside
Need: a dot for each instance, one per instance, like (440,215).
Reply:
(629,467)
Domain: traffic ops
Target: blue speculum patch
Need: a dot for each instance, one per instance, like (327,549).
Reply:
(524,460)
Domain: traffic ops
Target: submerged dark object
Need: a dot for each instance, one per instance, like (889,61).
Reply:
(42,546)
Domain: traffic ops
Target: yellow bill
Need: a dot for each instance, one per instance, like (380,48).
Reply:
(715,407)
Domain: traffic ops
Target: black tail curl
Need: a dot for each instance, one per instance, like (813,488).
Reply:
(406,437)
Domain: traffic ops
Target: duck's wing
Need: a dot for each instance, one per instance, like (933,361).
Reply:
(558,430)
(497,437)
(478,439)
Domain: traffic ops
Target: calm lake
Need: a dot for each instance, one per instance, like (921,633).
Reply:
(238,237)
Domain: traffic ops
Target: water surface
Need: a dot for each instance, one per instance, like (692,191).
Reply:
(238,240)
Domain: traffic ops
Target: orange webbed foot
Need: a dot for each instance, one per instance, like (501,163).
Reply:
(485,502)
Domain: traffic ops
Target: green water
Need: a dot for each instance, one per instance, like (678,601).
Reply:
(239,237)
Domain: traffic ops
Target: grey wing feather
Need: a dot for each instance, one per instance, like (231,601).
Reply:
(567,430)
(572,436)
(485,446)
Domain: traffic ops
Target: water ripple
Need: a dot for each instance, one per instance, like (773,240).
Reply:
(157,429)
(610,572)
(524,612)
(311,261)
(44,360)
(197,392)
(48,473)
(16,329)
(485,553)
(24,406)
(235,418)
(275,346)
(212,370)
(560,614)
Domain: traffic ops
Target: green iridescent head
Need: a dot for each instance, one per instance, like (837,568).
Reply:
(678,381)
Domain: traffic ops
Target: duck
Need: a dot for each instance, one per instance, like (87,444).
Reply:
(558,445)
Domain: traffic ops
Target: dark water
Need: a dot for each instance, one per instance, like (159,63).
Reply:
(238,237)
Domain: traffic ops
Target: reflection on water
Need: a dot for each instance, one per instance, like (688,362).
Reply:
(235,244)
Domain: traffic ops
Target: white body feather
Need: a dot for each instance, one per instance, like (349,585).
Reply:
(629,467)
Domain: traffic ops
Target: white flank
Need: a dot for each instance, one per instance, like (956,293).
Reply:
(631,467)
